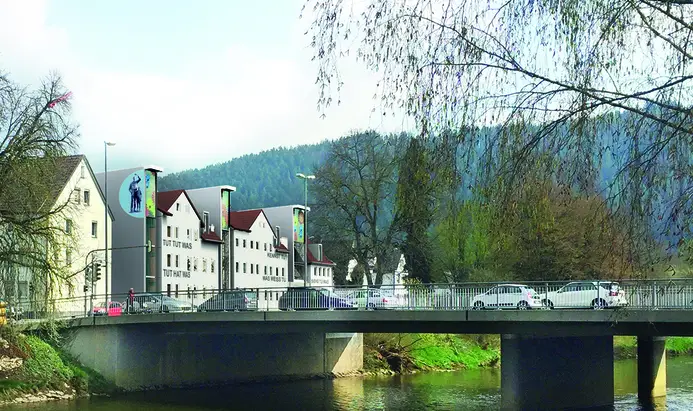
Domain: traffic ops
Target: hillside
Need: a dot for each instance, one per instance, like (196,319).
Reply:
(265,179)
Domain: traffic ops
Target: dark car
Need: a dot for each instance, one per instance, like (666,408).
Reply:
(235,300)
(306,298)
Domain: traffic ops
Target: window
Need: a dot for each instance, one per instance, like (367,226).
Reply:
(195,264)
(236,266)
(87,197)
(204,265)
(77,195)
(195,235)
(277,271)
(244,268)
(168,290)
(188,234)
(282,271)
(243,243)
(189,263)
(257,268)
(251,269)
(68,257)
(168,231)
(177,206)
(177,260)
(265,246)
(236,242)
(168,260)
(251,244)
(68,226)
(94,228)
(211,266)
(176,232)
(176,290)
(82,172)
(265,270)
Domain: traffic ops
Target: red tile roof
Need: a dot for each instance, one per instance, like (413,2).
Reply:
(324,261)
(166,199)
(243,220)
(281,248)
(213,237)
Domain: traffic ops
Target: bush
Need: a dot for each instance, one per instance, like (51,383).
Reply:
(44,367)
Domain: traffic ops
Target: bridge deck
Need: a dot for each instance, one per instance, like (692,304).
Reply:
(539,323)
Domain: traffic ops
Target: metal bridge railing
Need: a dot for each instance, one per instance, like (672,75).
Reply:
(535,295)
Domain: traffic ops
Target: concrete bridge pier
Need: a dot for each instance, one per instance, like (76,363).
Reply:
(550,373)
(652,369)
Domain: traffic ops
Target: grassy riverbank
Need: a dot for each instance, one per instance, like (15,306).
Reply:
(406,353)
(32,369)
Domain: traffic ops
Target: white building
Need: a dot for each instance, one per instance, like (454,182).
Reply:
(259,259)
(78,207)
(320,268)
(395,279)
(190,256)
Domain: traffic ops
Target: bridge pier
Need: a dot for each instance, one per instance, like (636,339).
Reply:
(652,368)
(548,373)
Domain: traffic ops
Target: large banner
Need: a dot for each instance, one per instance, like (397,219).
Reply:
(131,193)
(150,193)
(299,225)
(225,207)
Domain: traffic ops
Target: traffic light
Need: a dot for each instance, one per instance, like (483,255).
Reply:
(97,270)
(87,275)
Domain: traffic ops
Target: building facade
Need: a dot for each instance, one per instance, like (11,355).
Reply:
(131,195)
(214,205)
(290,220)
(190,256)
(76,207)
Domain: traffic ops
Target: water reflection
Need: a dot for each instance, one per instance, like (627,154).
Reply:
(466,390)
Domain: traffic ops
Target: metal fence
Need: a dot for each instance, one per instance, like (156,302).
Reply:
(624,294)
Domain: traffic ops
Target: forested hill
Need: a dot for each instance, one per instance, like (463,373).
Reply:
(265,179)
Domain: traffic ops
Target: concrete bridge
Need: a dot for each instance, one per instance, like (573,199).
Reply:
(551,359)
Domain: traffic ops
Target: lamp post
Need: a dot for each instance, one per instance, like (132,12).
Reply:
(305,179)
(106,144)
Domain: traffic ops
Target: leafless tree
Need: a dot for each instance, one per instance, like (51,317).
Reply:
(35,131)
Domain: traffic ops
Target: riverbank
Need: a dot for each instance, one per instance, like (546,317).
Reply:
(32,369)
(410,353)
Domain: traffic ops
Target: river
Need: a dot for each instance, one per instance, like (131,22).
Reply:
(462,390)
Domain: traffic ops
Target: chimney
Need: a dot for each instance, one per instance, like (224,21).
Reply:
(279,236)
(319,257)
(211,227)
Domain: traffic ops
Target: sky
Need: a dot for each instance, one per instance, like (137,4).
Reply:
(182,84)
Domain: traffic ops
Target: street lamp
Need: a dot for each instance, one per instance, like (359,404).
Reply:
(305,179)
(106,144)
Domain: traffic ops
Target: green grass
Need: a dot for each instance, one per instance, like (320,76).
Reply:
(627,347)
(431,351)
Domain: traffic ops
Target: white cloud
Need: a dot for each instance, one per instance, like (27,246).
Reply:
(240,101)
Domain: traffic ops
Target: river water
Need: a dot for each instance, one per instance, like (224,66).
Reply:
(463,390)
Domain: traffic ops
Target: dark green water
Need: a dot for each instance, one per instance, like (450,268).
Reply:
(465,390)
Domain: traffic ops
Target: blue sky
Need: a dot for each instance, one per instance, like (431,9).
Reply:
(182,84)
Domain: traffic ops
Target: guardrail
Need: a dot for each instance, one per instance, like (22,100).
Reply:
(602,294)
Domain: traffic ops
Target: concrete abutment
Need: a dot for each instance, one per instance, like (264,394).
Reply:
(137,358)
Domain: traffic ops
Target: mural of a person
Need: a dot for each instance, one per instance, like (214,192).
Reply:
(135,194)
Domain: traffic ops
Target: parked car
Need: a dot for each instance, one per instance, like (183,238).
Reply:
(587,294)
(306,298)
(373,299)
(235,300)
(516,296)
(157,303)
(114,309)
